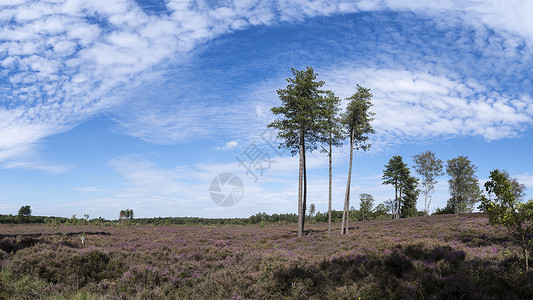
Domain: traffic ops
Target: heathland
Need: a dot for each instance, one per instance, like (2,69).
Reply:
(435,257)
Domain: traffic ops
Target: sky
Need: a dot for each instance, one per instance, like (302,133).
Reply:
(123,104)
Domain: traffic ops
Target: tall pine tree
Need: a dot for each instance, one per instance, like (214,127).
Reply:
(299,125)
(356,120)
(395,173)
(331,136)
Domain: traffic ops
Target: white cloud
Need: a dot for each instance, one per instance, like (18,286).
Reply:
(413,106)
(505,17)
(229,145)
(65,61)
(525,179)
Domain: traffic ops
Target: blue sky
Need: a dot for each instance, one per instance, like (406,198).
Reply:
(108,105)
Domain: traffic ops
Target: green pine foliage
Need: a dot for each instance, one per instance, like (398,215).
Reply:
(358,117)
(410,194)
(393,174)
(300,112)
(397,174)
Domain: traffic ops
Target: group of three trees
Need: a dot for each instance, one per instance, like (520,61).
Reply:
(463,183)
(309,118)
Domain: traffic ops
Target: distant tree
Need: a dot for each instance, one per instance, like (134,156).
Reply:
(126,214)
(395,174)
(73,220)
(24,211)
(24,214)
(429,167)
(300,126)
(354,214)
(463,184)
(332,136)
(86,216)
(312,210)
(390,207)
(366,203)
(381,212)
(447,210)
(508,210)
(356,120)
(410,194)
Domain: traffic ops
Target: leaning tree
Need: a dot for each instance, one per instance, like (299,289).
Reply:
(356,120)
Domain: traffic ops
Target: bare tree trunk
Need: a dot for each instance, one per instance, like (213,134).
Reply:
(343,217)
(347,215)
(300,184)
(526,255)
(396,206)
(330,188)
(426,206)
(527,259)
(304,205)
(399,204)
(344,227)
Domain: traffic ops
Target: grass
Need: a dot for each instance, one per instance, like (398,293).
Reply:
(436,257)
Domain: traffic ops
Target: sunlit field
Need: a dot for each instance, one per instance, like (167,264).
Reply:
(437,257)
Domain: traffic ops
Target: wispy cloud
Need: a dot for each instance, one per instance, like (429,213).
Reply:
(37,165)
(90,189)
(413,106)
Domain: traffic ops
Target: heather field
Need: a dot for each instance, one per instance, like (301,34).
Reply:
(436,257)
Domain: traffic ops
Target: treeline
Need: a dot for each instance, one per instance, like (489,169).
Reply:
(11,219)
(255,219)
(378,213)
